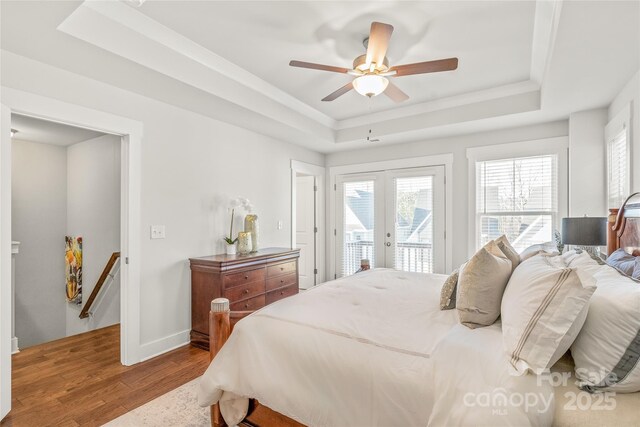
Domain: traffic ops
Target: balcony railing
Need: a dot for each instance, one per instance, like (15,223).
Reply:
(416,257)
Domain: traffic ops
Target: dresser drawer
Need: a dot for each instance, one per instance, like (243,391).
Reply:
(249,304)
(282,268)
(278,294)
(244,291)
(281,281)
(230,280)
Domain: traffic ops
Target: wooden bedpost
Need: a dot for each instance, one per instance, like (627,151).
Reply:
(612,232)
(219,331)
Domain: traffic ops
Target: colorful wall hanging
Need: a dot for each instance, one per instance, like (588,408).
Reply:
(73,269)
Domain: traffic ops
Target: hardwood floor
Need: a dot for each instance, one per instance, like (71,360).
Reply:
(78,381)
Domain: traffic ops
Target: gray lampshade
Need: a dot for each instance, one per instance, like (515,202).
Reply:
(584,231)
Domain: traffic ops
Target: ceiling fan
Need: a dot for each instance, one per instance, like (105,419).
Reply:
(372,70)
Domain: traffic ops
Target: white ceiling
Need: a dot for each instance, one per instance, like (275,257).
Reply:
(521,62)
(492,40)
(46,132)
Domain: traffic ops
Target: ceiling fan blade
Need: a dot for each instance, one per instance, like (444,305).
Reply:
(344,89)
(395,93)
(379,37)
(321,67)
(425,67)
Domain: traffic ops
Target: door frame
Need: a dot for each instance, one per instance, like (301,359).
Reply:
(319,173)
(445,160)
(130,131)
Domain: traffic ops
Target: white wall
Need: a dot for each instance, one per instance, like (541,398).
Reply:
(630,95)
(93,212)
(39,219)
(191,165)
(587,163)
(457,146)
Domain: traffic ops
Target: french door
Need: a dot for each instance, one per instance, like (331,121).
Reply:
(394,218)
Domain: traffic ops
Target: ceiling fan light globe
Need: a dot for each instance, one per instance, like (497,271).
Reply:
(370,85)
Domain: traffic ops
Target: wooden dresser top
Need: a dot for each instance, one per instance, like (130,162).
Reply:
(262,256)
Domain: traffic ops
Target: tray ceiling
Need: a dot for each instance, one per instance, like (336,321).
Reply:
(521,62)
(493,41)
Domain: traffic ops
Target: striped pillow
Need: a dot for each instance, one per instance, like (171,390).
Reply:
(543,308)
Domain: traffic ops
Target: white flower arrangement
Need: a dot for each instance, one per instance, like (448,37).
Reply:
(237,203)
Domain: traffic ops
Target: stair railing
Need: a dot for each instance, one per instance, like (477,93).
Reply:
(101,281)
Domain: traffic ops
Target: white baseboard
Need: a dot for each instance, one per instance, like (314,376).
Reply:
(163,345)
(14,345)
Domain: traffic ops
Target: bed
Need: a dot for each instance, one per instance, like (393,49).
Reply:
(375,349)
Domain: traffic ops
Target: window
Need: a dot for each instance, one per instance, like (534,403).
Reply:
(618,160)
(517,197)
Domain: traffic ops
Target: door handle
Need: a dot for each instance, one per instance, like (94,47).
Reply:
(388,243)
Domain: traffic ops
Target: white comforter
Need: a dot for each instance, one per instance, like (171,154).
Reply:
(372,349)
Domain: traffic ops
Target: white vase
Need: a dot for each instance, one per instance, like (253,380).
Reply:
(251,225)
(231,249)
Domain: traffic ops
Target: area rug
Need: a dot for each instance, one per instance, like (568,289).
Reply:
(179,407)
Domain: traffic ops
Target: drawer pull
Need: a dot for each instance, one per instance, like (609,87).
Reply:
(246,276)
(246,291)
(281,268)
(246,305)
(281,292)
(281,280)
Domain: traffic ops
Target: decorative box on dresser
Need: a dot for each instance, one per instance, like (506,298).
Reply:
(249,282)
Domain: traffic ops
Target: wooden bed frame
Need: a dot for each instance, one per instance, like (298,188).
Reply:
(623,231)
(221,325)
(624,227)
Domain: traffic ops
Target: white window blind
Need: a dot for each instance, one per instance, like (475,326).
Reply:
(618,169)
(517,197)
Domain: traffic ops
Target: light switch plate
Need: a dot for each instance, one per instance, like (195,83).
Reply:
(157,232)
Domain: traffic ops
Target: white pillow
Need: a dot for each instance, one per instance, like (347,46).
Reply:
(581,260)
(607,349)
(548,247)
(543,308)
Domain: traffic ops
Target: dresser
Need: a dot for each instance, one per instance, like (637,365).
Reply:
(249,282)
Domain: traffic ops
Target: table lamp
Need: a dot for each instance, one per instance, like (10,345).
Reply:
(587,233)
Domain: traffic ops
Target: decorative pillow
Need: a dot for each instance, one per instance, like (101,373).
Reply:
(448,292)
(607,349)
(507,249)
(622,261)
(548,247)
(543,309)
(480,286)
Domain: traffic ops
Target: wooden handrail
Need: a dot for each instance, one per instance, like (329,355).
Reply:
(96,290)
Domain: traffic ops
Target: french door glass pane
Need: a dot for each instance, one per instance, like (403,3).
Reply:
(358,227)
(521,230)
(414,224)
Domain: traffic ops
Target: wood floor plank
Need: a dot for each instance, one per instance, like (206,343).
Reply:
(79,380)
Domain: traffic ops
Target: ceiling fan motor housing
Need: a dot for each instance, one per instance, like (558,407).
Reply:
(360,63)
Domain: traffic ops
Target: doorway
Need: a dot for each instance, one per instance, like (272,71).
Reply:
(130,133)
(395,218)
(65,225)
(306,230)
(307,221)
